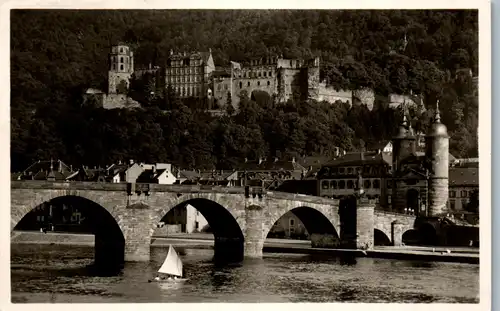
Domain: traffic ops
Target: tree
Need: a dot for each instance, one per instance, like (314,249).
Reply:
(229,105)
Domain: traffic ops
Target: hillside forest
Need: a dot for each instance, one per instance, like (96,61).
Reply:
(57,54)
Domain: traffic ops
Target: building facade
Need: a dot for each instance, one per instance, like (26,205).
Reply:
(190,74)
(463,182)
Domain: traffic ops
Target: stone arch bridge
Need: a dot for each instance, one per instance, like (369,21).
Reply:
(128,214)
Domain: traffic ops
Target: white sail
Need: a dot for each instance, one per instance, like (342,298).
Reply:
(172,264)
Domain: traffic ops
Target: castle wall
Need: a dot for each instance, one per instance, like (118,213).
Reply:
(222,87)
(291,83)
(364,96)
(115,101)
(331,95)
(115,79)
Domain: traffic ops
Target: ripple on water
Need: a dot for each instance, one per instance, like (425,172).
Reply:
(276,278)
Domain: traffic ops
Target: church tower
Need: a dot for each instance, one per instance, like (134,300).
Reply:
(121,68)
(437,151)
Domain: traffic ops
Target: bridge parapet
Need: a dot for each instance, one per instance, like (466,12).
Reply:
(182,189)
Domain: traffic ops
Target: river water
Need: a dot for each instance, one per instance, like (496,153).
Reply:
(57,273)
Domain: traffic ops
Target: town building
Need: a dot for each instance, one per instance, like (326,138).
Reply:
(463,181)
(340,177)
(289,226)
(45,170)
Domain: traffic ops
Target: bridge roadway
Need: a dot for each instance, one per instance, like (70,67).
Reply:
(125,215)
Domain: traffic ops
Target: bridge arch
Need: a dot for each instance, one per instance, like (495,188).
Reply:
(319,221)
(380,238)
(109,246)
(226,221)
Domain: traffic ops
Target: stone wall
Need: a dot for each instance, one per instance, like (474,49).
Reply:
(116,101)
(331,95)
(364,96)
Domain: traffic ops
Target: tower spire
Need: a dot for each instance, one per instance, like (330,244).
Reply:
(437,117)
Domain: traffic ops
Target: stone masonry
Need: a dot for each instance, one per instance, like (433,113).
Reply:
(138,213)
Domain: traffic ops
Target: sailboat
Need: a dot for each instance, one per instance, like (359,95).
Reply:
(171,270)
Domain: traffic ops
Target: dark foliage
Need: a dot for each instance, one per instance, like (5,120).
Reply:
(56,55)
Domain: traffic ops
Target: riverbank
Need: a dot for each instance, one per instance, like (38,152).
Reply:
(205,241)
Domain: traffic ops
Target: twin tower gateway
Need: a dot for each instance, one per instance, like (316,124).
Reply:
(426,173)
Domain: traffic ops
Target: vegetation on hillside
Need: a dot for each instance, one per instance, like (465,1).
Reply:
(56,55)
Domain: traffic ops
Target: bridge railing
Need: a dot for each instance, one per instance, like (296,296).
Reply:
(380,209)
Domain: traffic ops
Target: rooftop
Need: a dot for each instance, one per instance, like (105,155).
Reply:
(361,158)
(462,176)
(273,164)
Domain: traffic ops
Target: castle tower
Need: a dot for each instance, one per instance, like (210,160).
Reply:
(281,82)
(313,79)
(121,68)
(437,145)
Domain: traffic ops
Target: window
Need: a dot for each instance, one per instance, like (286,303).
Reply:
(463,193)
(349,170)
(367,183)
(121,59)
(333,184)
(268,83)
(121,50)
(465,202)
(452,204)
(270,74)
(376,184)
(341,184)
(350,184)
(324,184)
(341,170)
(453,193)
(292,222)
(258,83)
(241,85)
(121,67)
(265,74)
(196,225)
(114,67)
(248,83)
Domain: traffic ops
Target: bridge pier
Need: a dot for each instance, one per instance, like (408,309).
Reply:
(397,233)
(254,233)
(228,249)
(365,224)
(137,222)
